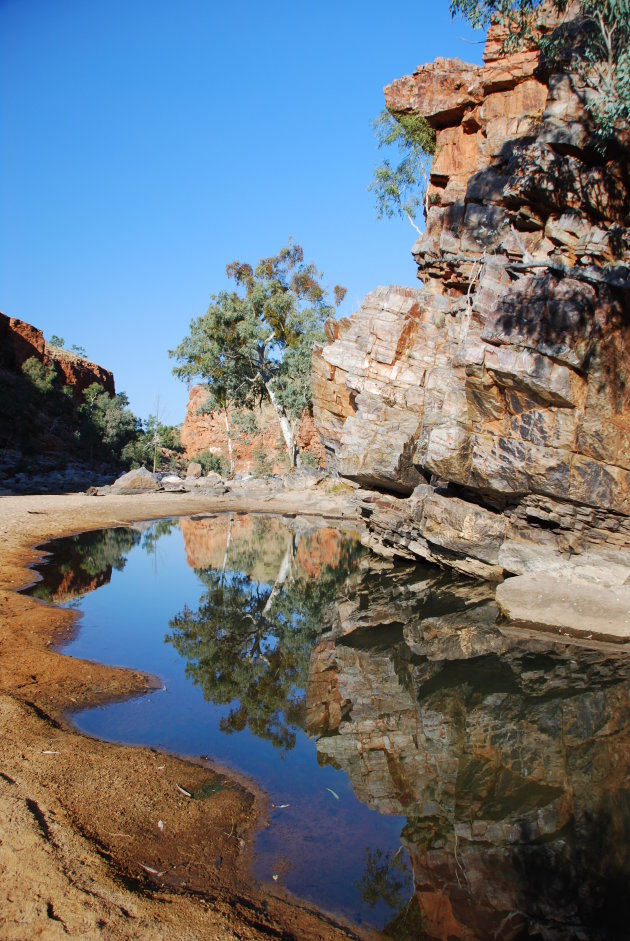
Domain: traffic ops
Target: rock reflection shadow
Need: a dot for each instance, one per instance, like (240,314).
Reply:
(508,754)
(83,563)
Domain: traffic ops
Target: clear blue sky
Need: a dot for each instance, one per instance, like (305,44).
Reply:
(147,143)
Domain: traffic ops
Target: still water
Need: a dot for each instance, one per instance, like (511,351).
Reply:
(432,774)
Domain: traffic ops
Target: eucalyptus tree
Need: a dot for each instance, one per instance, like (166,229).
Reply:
(254,343)
(401,187)
(248,644)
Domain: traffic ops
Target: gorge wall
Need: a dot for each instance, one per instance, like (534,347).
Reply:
(517,834)
(20,341)
(489,412)
(256,437)
(39,410)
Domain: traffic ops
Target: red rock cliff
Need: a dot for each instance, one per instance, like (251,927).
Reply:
(20,341)
(256,436)
(496,400)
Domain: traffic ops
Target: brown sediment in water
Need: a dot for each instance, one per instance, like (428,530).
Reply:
(82,851)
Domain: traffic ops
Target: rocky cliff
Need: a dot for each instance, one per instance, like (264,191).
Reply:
(20,341)
(40,397)
(257,440)
(491,409)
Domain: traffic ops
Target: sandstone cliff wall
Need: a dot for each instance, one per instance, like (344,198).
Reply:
(258,446)
(20,341)
(41,449)
(496,400)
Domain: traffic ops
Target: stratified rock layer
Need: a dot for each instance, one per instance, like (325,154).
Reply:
(495,402)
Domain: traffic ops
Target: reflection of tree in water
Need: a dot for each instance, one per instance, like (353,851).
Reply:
(81,563)
(248,644)
(154,533)
(387,879)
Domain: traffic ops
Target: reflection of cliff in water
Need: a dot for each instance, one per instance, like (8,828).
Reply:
(83,563)
(507,754)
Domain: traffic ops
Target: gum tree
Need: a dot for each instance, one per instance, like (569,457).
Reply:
(400,187)
(254,342)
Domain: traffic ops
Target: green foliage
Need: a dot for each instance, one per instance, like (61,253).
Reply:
(248,644)
(592,40)
(263,465)
(293,378)
(107,424)
(311,460)
(60,344)
(386,878)
(400,188)
(170,437)
(211,462)
(40,414)
(41,377)
(246,422)
(152,536)
(253,342)
(82,562)
(480,13)
(145,446)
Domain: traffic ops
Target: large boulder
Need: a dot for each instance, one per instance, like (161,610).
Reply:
(139,480)
(194,469)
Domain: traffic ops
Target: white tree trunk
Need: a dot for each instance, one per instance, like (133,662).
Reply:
(228,540)
(288,431)
(229,439)
(283,574)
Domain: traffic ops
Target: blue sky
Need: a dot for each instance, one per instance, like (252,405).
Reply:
(145,144)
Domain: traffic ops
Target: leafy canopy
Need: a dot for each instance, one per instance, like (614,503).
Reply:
(255,342)
(400,187)
(248,644)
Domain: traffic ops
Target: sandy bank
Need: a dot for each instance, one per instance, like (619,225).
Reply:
(79,818)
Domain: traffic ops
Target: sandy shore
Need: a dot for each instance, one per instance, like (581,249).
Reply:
(81,852)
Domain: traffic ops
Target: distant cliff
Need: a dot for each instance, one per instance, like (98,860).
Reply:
(19,341)
(257,439)
(42,430)
(491,409)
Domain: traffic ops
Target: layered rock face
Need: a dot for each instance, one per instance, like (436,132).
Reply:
(507,754)
(496,400)
(256,437)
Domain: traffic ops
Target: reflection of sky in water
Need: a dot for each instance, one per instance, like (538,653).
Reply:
(318,843)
